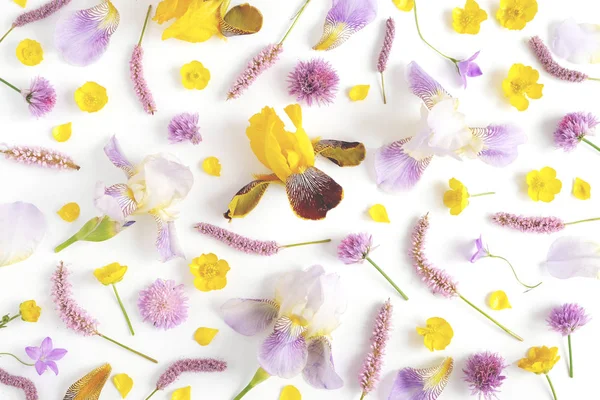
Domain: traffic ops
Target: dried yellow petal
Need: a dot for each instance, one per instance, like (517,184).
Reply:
(62,133)
(498,300)
(123,383)
(184,393)
(205,335)
(359,92)
(290,393)
(581,189)
(90,386)
(212,166)
(379,213)
(69,212)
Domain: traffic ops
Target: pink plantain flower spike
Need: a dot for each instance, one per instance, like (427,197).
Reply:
(552,67)
(384,55)
(534,224)
(18,382)
(38,14)
(38,156)
(137,73)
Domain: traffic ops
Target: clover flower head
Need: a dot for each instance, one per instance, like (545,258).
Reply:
(355,247)
(567,318)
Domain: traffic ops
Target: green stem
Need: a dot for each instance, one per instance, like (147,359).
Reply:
(66,243)
(570,358)
(582,220)
(6,34)
(513,270)
(152,394)
(590,143)
(591,79)
(295,21)
(16,358)
(128,348)
(388,278)
(383,88)
(455,61)
(10,85)
(306,243)
(259,377)
(363,395)
(491,319)
(145,24)
(3,324)
(482,194)
(123,310)
(551,387)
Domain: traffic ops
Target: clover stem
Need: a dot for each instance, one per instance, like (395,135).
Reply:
(513,270)
(551,387)
(590,143)
(505,329)
(387,277)
(128,348)
(296,18)
(123,310)
(454,60)
(10,85)
(306,243)
(145,25)
(16,358)
(570,358)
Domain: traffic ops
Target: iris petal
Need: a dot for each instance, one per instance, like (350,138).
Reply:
(167,242)
(345,18)
(248,197)
(424,86)
(284,352)
(422,384)
(249,316)
(117,158)
(571,257)
(22,228)
(343,154)
(313,193)
(500,143)
(320,371)
(395,169)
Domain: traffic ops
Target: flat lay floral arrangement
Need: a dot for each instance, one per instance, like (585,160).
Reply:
(313,199)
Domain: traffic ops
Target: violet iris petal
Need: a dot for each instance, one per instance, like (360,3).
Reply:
(571,257)
(468,68)
(500,144)
(22,228)
(45,356)
(424,86)
(167,242)
(422,384)
(345,18)
(396,170)
(249,316)
(320,371)
(284,353)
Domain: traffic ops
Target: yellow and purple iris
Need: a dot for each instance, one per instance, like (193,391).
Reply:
(423,383)
(345,18)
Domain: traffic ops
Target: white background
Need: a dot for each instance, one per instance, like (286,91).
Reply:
(223,129)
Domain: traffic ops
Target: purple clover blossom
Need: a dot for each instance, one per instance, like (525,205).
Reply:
(567,318)
(164,304)
(573,128)
(45,356)
(481,252)
(468,68)
(355,248)
(40,96)
(483,373)
(185,127)
(313,81)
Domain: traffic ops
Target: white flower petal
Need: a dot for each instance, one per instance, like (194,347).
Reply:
(570,257)
(22,228)
(577,43)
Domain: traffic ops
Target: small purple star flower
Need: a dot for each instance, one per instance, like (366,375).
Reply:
(481,251)
(45,356)
(468,68)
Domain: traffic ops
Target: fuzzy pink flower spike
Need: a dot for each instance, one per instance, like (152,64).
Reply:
(37,14)
(38,156)
(384,55)
(534,224)
(20,383)
(137,73)
(552,67)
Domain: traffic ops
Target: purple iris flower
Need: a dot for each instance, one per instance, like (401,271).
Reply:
(481,251)
(468,68)
(45,356)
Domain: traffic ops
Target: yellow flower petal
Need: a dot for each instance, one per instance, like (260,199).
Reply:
(519,102)
(212,166)
(168,9)
(91,97)
(379,214)
(290,393)
(30,311)
(199,23)
(22,3)
(69,212)
(437,335)
(581,189)
(498,300)
(547,173)
(184,393)
(205,335)
(62,133)
(123,383)
(404,5)
(30,52)
(359,92)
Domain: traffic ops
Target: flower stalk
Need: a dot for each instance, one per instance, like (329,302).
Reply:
(17,358)
(404,296)
(13,87)
(306,243)
(590,143)
(259,377)
(514,272)
(454,60)
(295,20)
(505,329)
(127,348)
(6,319)
(482,194)
(123,309)
(570,357)
(551,386)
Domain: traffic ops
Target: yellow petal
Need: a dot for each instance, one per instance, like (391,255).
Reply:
(123,383)
(455,184)
(379,213)
(184,393)
(261,125)
(69,212)
(248,197)
(62,133)
(344,154)
(168,9)
(22,3)
(212,166)
(519,102)
(205,335)
(290,393)
(199,23)
(547,173)
(581,189)
(359,92)
(242,19)
(404,5)
(498,300)
(90,386)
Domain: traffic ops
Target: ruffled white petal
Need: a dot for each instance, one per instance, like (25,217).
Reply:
(22,228)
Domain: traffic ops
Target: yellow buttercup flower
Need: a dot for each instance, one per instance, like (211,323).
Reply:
(521,82)
(437,334)
(457,198)
(404,5)
(543,185)
(194,75)
(515,14)
(581,189)
(91,97)
(30,311)
(210,272)
(468,20)
(204,336)
(110,274)
(540,360)
(30,52)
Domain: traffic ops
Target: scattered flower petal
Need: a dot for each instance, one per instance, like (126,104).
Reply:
(22,3)
(359,92)
(62,133)
(577,43)
(423,383)
(571,257)
(404,5)
(498,300)
(212,166)
(69,212)
(205,335)
(91,385)
(123,383)
(581,189)
(184,393)
(345,18)
(290,393)
(379,214)
(437,335)
(22,228)
(30,52)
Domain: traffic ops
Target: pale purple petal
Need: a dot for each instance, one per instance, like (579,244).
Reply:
(22,228)
(114,201)
(167,242)
(481,251)
(116,156)
(424,86)
(326,301)
(33,352)
(46,346)
(52,365)
(56,354)
(422,384)
(345,18)
(468,68)
(396,170)
(320,371)
(577,43)
(83,36)
(571,257)
(500,143)
(40,367)
(284,352)
(249,316)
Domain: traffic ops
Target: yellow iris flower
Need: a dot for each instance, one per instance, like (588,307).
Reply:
(540,360)
(522,82)
(468,20)
(110,274)
(543,185)
(210,272)
(30,311)
(515,14)
(437,334)
(30,52)
(91,97)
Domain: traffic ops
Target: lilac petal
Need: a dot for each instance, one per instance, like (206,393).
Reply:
(468,68)
(422,384)
(424,86)
(577,43)
(473,70)
(396,170)
(22,228)
(115,155)
(40,367)
(83,36)
(249,316)
(56,354)
(571,257)
(167,242)
(33,352)
(320,371)
(345,18)
(52,365)
(481,250)
(115,201)
(284,352)
(500,143)
(46,346)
